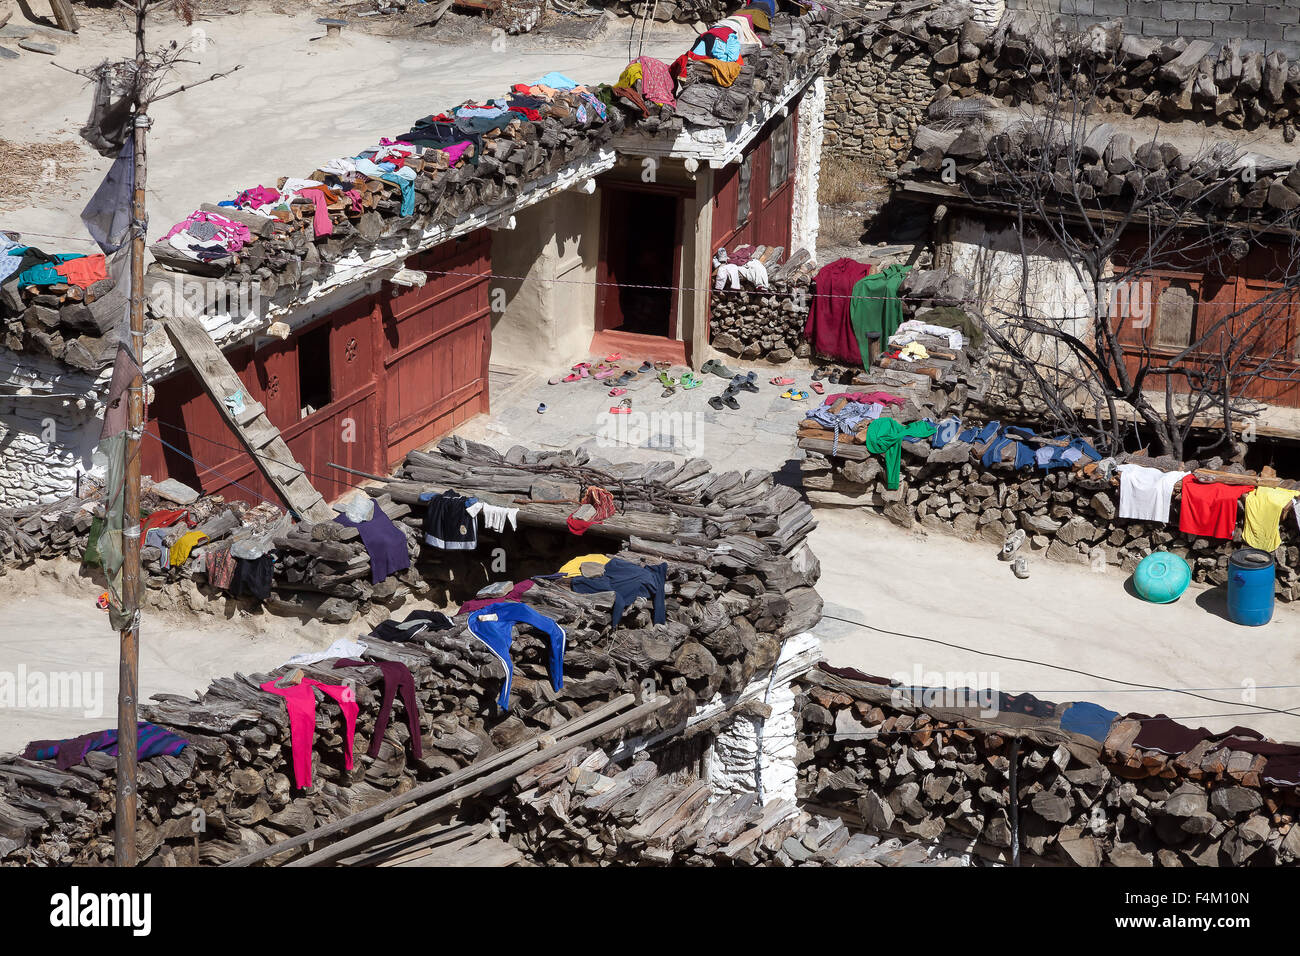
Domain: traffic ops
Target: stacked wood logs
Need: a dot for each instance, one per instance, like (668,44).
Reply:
(796,47)
(582,809)
(943,773)
(991,154)
(740,580)
(766,323)
(64,321)
(1172,79)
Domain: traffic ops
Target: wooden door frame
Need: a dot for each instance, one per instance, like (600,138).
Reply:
(605,280)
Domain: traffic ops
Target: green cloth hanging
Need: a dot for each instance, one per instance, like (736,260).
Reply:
(876,308)
(885,437)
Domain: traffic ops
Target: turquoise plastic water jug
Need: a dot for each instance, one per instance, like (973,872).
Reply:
(1161,577)
(1250,587)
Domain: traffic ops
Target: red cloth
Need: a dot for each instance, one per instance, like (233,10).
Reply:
(85,271)
(165,519)
(866,398)
(602,501)
(828,327)
(1209,507)
(514,594)
(656,81)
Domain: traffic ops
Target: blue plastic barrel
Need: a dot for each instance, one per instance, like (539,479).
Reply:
(1161,577)
(1250,587)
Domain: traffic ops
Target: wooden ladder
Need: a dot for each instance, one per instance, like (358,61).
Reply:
(262,439)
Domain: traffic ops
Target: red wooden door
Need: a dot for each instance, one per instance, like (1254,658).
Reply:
(436,343)
(336,423)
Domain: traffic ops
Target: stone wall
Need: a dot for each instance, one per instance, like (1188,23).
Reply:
(1265,25)
(46,443)
(909,764)
(1066,514)
(874,105)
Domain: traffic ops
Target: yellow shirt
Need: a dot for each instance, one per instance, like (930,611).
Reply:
(1264,507)
(180,552)
(574,568)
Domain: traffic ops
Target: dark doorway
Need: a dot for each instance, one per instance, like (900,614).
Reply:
(640,249)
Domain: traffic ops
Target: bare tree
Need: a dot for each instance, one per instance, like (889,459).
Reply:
(1123,219)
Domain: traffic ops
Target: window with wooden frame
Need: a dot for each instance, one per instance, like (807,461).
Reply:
(743,177)
(1176,314)
(778,166)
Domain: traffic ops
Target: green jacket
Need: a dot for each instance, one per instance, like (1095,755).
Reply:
(885,437)
(875,307)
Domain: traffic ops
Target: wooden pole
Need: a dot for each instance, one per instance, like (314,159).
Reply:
(124,819)
(435,786)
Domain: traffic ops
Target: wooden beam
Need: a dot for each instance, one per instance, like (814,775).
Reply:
(503,775)
(433,787)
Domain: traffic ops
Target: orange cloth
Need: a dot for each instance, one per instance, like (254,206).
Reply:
(84,272)
(724,74)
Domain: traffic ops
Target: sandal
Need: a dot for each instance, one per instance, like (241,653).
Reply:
(619,410)
(797,396)
(782,381)
(615,392)
(605,372)
(580,365)
(616,357)
(668,392)
(645,366)
(663,366)
(820,373)
(626,378)
(716,402)
(730,401)
(745,382)
(788,393)
(689,381)
(819,388)
(665,381)
(575,376)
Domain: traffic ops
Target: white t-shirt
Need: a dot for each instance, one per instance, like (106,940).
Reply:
(1144,492)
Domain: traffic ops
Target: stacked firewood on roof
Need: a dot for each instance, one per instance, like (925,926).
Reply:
(65,321)
(740,579)
(797,46)
(1174,78)
(922,764)
(582,809)
(991,152)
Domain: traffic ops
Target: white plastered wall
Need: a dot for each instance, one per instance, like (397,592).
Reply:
(549,315)
(804,220)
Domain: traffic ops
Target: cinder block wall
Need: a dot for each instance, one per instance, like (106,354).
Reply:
(1266,25)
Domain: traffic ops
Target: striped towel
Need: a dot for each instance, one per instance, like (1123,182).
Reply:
(151,740)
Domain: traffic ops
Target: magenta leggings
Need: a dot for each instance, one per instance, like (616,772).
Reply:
(300,702)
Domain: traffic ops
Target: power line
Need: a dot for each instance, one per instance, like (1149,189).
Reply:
(1072,670)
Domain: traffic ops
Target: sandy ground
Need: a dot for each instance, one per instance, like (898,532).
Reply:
(49,625)
(943,588)
(296,101)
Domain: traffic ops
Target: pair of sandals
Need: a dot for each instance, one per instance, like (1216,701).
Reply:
(794,394)
(739,383)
